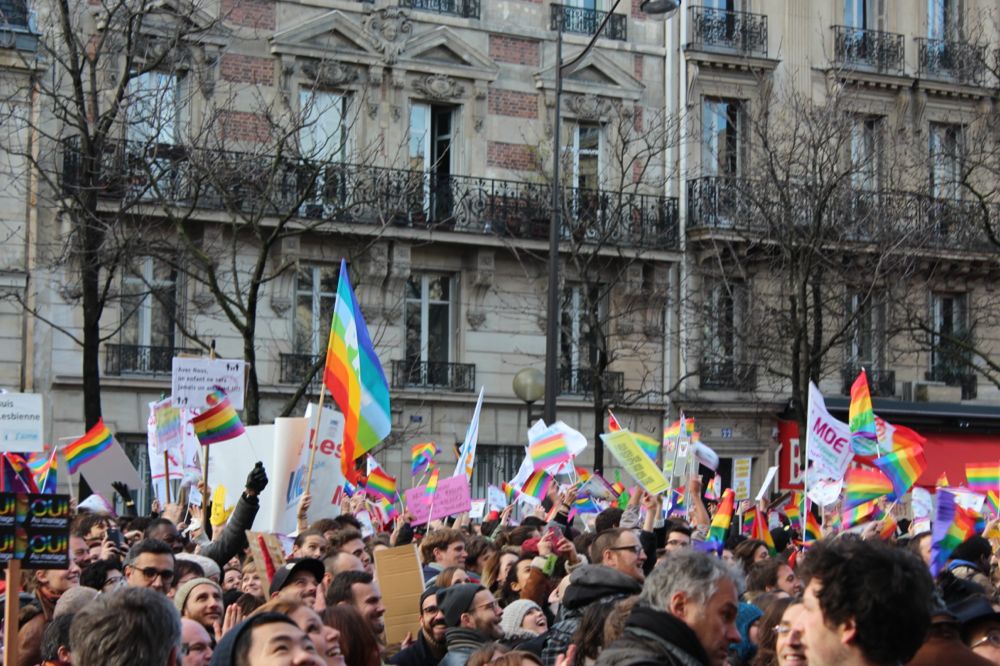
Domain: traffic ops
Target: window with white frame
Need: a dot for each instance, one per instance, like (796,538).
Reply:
(866,152)
(315,294)
(866,339)
(949,312)
(723,136)
(858,14)
(427,318)
(943,19)
(581,338)
(323,143)
(157,108)
(945,160)
(148,316)
(431,131)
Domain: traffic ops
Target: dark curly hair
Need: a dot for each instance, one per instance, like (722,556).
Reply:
(886,591)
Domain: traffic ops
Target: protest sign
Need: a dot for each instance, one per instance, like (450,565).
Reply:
(969,500)
(21,423)
(114,466)
(821,490)
(192,379)
(233,459)
(477,510)
(402,582)
(289,442)
(742,469)
(828,441)
(168,425)
(922,503)
(496,499)
(327,475)
(768,480)
(35,530)
(626,451)
(265,541)
(452,496)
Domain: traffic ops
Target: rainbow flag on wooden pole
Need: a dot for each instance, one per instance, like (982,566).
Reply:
(97,440)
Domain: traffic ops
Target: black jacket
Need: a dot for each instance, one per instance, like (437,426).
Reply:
(653,638)
(233,538)
(418,654)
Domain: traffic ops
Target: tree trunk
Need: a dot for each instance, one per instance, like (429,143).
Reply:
(251,405)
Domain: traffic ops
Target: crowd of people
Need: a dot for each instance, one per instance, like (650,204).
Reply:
(631,588)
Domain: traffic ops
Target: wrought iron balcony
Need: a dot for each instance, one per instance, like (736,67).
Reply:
(463,8)
(951,60)
(135,173)
(881,382)
(296,367)
(581,381)
(715,29)
(586,22)
(123,360)
(953,375)
(434,375)
(727,375)
(860,48)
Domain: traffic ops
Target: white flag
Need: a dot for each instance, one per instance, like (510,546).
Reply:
(467,457)
(828,441)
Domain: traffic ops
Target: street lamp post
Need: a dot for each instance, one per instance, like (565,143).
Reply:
(529,386)
(653,8)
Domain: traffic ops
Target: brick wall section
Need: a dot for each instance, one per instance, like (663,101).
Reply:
(243,126)
(514,156)
(635,9)
(512,103)
(250,13)
(637,118)
(637,66)
(514,50)
(246,69)
(637,168)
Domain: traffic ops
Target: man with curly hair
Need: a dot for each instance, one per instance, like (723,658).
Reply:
(864,604)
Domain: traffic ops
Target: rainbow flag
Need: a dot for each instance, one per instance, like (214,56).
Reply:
(942,481)
(864,439)
(509,492)
(432,483)
(583,474)
(549,450)
(994,501)
(793,511)
(723,517)
(586,504)
(537,485)
(43,468)
(864,485)
(16,477)
(97,440)
(982,477)
(648,445)
(714,489)
(894,437)
(674,430)
(888,528)
(380,484)
(813,531)
(613,424)
(218,423)
(952,526)
(860,513)
(903,468)
(354,376)
(759,530)
(389,509)
(421,456)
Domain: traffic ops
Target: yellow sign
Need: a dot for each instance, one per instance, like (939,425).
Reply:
(623,447)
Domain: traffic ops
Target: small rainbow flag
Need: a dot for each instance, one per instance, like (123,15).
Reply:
(43,468)
(389,508)
(723,517)
(759,530)
(864,485)
(860,513)
(714,489)
(674,430)
(537,485)
(793,511)
(97,440)
(813,531)
(648,445)
(942,481)
(432,483)
(549,450)
(219,423)
(888,528)
(903,468)
(586,504)
(16,477)
(422,455)
(982,477)
(583,474)
(509,491)
(953,524)
(994,499)
(380,484)
(864,439)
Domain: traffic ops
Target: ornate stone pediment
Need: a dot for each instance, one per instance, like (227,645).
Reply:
(439,87)
(330,36)
(442,51)
(595,74)
(329,74)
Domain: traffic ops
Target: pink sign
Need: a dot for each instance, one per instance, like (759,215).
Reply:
(452,496)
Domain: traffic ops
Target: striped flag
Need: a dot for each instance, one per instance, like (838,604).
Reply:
(354,376)
(549,449)
(219,423)
(97,440)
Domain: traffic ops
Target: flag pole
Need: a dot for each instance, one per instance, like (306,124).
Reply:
(315,436)
(204,474)
(166,474)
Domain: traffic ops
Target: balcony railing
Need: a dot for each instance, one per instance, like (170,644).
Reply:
(462,8)
(296,367)
(881,382)
(580,381)
(434,375)
(955,376)
(727,375)
(762,208)
(879,51)
(951,60)
(123,360)
(586,21)
(721,29)
(135,173)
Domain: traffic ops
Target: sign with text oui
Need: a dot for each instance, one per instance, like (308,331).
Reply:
(192,379)
(35,529)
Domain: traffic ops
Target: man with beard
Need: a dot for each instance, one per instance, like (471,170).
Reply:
(472,616)
(429,647)
(200,599)
(359,589)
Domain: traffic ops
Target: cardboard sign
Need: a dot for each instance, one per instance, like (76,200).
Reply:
(259,542)
(401,582)
(35,530)
(452,496)
(192,379)
(821,490)
(742,469)
(626,451)
(21,423)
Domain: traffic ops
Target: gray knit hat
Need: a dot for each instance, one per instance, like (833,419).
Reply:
(184,590)
(513,616)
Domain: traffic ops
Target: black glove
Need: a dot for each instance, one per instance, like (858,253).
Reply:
(122,489)
(257,479)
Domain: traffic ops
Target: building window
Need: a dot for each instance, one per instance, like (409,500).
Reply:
(723,137)
(323,142)
(722,364)
(157,108)
(585,150)
(945,160)
(432,128)
(951,329)
(866,341)
(581,338)
(943,20)
(866,153)
(857,13)
(315,293)
(149,305)
(427,317)
(494,465)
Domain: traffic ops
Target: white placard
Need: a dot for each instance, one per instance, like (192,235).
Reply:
(768,480)
(922,503)
(477,510)
(192,379)
(742,468)
(21,422)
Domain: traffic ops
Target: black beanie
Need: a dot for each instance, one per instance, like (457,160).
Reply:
(457,599)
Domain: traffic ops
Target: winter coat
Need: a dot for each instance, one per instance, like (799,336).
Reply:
(654,638)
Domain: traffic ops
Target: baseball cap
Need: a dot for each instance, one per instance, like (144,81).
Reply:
(281,576)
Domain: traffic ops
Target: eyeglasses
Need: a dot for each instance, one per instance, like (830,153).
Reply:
(993,638)
(783,629)
(493,604)
(151,573)
(637,549)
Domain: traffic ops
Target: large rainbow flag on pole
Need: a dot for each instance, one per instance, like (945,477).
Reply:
(97,440)
(354,376)
(864,439)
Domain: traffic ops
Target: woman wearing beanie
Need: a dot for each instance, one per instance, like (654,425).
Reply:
(524,626)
